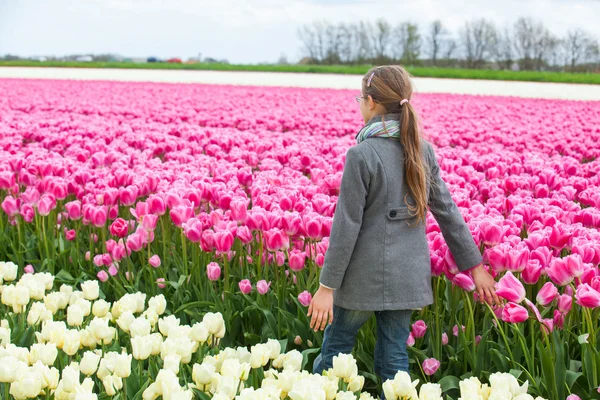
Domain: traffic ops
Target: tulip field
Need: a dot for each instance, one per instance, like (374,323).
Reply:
(165,240)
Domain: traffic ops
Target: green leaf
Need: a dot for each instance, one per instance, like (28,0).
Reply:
(572,378)
(547,371)
(449,382)
(305,356)
(64,276)
(197,304)
(516,373)
(560,369)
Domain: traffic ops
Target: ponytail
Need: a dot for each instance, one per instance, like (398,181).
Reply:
(389,85)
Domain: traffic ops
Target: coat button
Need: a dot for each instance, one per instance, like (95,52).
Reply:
(392,213)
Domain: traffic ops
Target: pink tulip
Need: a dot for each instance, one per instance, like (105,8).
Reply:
(575,265)
(99,217)
(156,205)
(149,222)
(531,273)
(119,228)
(276,240)
(320,260)
(297,260)
(223,241)
(491,233)
(510,288)
(430,366)
(245,286)
(262,286)
(496,256)
(154,261)
(10,206)
(305,298)
(134,242)
(71,235)
(98,260)
(445,338)
(516,258)
(160,283)
(410,342)
(564,303)
(128,195)
(559,237)
(27,212)
(559,272)
(244,234)
(239,208)
(514,313)
(419,328)
(102,276)
(213,271)
(29,269)
(455,330)
(87,256)
(46,204)
(559,319)
(574,397)
(587,297)
(113,270)
(464,281)
(477,340)
(313,228)
(547,294)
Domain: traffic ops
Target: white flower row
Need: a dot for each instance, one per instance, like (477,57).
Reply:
(78,324)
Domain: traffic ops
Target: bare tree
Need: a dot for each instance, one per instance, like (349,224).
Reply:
(479,39)
(382,40)
(504,50)
(450,46)
(408,42)
(575,44)
(531,42)
(435,39)
(364,34)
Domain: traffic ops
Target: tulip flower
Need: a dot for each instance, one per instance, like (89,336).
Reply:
(587,297)
(418,329)
(213,271)
(430,366)
(305,298)
(262,286)
(547,294)
(514,313)
(510,288)
(245,286)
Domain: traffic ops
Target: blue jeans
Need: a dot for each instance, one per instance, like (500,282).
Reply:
(393,328)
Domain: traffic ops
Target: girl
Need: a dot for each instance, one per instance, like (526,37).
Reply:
(378,258)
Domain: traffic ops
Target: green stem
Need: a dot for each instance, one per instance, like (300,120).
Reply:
(184,250)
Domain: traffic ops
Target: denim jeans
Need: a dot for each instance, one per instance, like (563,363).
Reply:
(393,328)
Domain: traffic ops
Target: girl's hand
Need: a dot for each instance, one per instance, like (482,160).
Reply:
(485,285)
(321,309)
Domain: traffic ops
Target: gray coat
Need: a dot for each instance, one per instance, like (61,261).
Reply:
(375,261)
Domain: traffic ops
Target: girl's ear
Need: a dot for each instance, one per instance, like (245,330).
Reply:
(371,103)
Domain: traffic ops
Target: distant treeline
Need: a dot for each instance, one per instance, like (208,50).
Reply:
(525,45)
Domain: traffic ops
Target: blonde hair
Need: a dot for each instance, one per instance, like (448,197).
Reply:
(388,85)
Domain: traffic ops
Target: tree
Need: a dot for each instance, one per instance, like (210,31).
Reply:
(408,42)
(435,39)
(479,40)
(532,43)
(504,50)
(382,40)
(575,43)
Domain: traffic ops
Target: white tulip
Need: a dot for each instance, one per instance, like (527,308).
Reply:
(85,305)
(523,396)
(181,331)
(347,395)
(20,353)
(66,289)
(356,383)
(158,304)
(112,384)
(54,301)
(86,396)
(152,317)
(46,353)
(274,347)
(199,333)
(8,295)
(22,296)
(4,337)
(71,343)
(75,315)
(28,385)
(389,390)
(214,323)
(8,271)
(507,381)
(366,396)
(100,308)
(70,379)
(75,296)
(430,391)
(344,367)
(7,369)
(141,347)
(139,327)
(260,355)
(202,374)
(140,302)
(125,320)
(156,340)
(100,330)
(166,323)
(172,362)
(91,290)
(233,367)
(89,363)
(404,386)
(152,392)
(292,361)
(38,313)
(226,385)
(306,389)
(243,354)
(50,376)
(123,365)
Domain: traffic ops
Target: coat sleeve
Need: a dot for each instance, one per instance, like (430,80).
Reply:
(455,230)
(347,219)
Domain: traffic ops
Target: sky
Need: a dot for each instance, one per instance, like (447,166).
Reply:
(242,31)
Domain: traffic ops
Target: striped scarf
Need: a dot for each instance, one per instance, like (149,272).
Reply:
(391,129)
